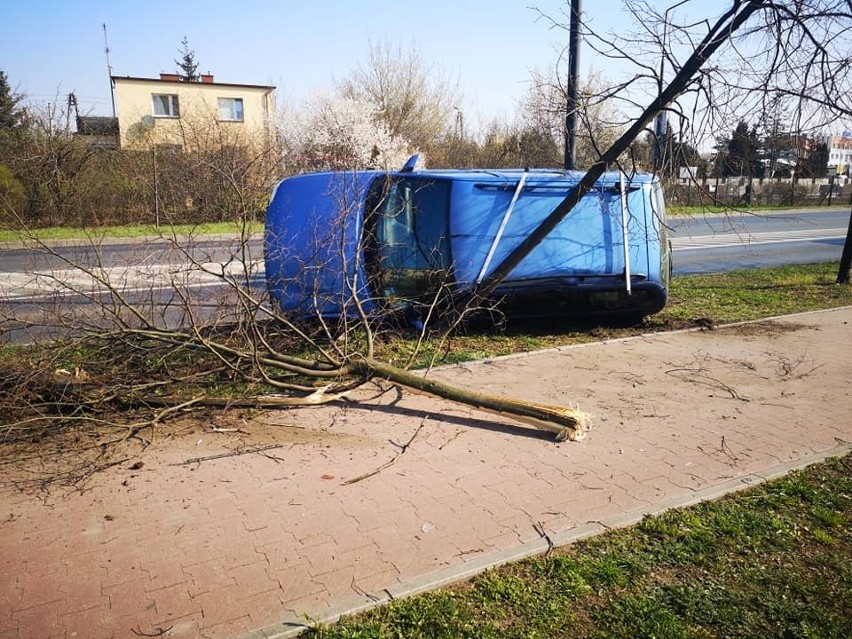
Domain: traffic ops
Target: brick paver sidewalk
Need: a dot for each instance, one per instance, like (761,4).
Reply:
(249,543)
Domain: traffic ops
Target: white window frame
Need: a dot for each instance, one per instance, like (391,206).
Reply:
(231,110)
(169,102)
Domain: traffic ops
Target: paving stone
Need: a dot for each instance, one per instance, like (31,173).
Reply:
(39,591)
(87,622)
(208,576)
(241,544)
(40,621)
(230,628)
(253,579)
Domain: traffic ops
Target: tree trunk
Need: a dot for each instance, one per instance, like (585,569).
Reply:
(719,34)
(845,270)
(565,423)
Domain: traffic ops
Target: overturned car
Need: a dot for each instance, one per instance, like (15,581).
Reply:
(344,243)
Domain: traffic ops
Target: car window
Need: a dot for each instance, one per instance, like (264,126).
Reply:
(411,235)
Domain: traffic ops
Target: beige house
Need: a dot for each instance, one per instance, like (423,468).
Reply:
(171,112)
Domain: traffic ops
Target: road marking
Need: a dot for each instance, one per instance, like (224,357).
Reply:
(749,239)
(125,279)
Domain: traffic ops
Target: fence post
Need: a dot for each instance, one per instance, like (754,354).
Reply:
(792,186)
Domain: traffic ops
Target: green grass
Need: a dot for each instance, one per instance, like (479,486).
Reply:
(773,561)
(755,293)
(700,300)
(129,232)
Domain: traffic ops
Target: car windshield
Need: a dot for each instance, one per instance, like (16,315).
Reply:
(410,222)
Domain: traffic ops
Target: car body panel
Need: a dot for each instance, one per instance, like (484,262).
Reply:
(337,238)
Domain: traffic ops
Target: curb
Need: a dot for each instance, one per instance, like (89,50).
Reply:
(294,625)
(632,338)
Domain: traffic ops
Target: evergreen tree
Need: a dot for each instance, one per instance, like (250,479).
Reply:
(187,65)
(776,150)
(10,115)
(742,153)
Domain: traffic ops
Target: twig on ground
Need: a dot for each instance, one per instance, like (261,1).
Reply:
(402,450)
(698,376)
(727,450)
(233,453)
(159,632)
(539,528)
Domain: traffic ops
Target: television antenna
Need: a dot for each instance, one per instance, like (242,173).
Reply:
(109,69)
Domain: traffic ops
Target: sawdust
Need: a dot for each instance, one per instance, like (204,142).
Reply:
(767,328)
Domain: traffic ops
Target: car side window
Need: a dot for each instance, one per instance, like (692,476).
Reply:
(412,235)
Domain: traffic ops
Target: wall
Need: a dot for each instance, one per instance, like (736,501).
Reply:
(199,112)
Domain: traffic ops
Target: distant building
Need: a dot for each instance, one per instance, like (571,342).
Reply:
(840,154)
(175,113)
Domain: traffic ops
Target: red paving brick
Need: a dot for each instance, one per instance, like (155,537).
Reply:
(223,547)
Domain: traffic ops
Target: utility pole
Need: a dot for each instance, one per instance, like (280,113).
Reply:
(573,66)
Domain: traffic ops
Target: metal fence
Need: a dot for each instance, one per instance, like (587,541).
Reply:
(740,191)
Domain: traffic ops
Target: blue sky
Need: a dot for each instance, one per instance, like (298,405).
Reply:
(49,48)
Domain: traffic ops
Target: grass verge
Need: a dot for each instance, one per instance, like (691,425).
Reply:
(694,301)
(772,561)
(129,232)
(755,293)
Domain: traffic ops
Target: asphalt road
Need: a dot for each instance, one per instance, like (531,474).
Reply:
(138,254)
(719,243)
(42,293)
(701,244)
(50,291)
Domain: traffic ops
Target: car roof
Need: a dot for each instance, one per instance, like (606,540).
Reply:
(515,174)
(501,177)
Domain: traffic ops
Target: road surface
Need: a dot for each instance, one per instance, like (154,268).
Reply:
(719,243)
(42,293)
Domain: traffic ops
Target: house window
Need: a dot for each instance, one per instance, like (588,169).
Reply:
(166,105)
(231,109)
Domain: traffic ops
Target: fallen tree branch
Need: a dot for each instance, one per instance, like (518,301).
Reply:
(565,423)
(319,396)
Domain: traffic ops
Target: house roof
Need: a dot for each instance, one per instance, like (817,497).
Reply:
(127,78)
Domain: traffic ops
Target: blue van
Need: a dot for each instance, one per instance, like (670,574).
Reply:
(364,243)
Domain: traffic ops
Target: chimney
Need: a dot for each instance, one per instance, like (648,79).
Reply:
(207,78)
(169,77)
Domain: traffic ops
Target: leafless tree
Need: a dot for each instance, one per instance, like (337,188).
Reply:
(413,98)
(253,341)
(791,52)
(754,48)
(544,106)
(166,328)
